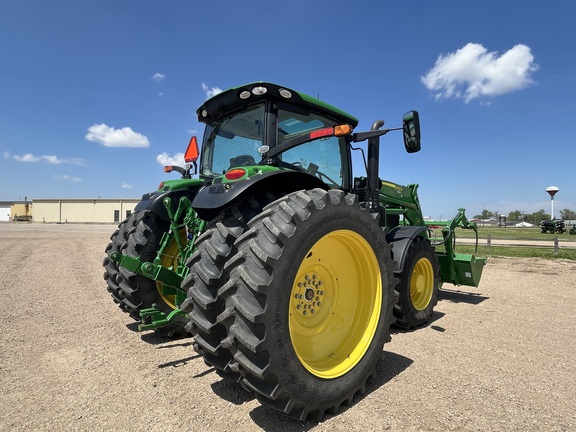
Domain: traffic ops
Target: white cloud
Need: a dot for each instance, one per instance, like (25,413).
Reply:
(29,157)
(66,177)
(126,186)
(110,137)
(210,91)
(165,159)
(51,159)
(158,77)
(472,72)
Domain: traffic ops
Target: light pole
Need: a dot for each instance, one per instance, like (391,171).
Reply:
(552,190)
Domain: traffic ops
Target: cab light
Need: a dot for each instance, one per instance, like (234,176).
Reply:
(167,169)
(245,94)
(286,94)
(259,91)
(341,130)
(235,174)
(322,133)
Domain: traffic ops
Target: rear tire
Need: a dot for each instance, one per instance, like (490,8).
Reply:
(309,302)
(207,275)
(118,240)
(417,290)
(138,292)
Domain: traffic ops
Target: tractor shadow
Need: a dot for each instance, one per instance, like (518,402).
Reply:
(167,342)
(394,329)
(155,338)
(454,296)
(390,366)
(231,391)
(459,296)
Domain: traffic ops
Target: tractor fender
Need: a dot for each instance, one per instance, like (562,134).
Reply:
(400,239)
(154,201)
(212,199)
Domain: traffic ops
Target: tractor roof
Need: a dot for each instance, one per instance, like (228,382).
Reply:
(238,97)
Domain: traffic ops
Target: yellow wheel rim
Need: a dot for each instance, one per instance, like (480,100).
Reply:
(422,284)
(169,259)
(335,304)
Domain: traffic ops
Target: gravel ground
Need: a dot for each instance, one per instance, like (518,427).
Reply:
(497,358)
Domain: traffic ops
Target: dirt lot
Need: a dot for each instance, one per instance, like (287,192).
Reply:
(500,358)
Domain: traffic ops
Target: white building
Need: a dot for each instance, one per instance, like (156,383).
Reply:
(99,210)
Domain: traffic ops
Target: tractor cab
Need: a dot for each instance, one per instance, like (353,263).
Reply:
(262,127)
(264,136)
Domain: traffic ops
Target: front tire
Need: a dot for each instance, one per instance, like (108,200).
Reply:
(417,290)
(309,302)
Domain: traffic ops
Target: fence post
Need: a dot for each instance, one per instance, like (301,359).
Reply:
(488,241)
(556,246)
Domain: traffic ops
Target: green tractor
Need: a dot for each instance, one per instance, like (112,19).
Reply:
(553,226)
(286,268)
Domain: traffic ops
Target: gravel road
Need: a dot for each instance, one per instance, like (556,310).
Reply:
(496,358)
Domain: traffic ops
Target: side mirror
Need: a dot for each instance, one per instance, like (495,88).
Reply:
(411,130)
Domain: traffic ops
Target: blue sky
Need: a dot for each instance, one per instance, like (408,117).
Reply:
(96,95)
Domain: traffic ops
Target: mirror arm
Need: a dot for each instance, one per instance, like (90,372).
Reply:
(363,136)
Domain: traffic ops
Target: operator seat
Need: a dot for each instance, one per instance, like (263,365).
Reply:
(242,160)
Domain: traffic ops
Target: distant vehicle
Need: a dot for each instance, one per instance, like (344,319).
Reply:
(22,218)
(552,226)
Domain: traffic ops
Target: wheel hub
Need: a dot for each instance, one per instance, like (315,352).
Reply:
(419,284)
(309,295)
(422,284)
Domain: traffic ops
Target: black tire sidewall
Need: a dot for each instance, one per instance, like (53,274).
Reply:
(147,287)
(283,359)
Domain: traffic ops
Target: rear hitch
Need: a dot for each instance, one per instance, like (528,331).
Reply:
(153,318)
(153,271)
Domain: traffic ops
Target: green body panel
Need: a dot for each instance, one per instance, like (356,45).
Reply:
(250,171)
(402,200)
(178,184)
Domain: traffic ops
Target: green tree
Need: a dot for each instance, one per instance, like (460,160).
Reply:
(538,217)
(516,215)
(486,214)
(568,214)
